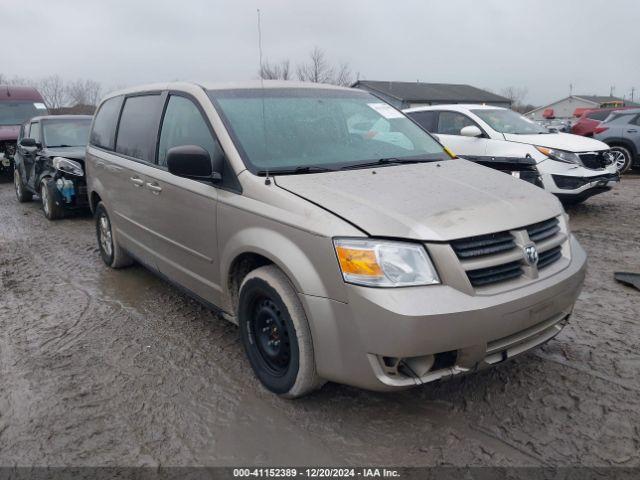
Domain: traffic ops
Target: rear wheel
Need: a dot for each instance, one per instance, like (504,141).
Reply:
(621,158)
(110,251)
(50,207)
(275,333)
(22,193)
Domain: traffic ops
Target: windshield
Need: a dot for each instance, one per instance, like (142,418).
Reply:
(66,133)
(16,113)
(288,129)
(508,121)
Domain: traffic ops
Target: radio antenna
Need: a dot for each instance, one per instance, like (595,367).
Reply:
(267,180)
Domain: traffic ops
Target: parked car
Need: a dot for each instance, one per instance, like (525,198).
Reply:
(17,105)
(621,131)
(571,167)
(344,256)
(49,162)
(592,118)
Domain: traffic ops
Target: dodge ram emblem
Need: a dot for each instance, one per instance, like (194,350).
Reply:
(531,255)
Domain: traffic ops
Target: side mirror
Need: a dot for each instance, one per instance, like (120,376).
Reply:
(193,161)
(28,142)
(471,131)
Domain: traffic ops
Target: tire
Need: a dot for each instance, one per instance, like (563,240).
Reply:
(22,193)
(113,255)
(51,209)
(275,333)
(623,158)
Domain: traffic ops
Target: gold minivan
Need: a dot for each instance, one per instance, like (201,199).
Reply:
(344,240)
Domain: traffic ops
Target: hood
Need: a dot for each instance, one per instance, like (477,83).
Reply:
(9,132)
(559,141)
(73,153)
(426,201)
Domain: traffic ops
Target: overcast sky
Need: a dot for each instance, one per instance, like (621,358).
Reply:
(543,45)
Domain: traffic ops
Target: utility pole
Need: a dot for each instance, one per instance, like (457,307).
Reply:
(633,91)
(611,90)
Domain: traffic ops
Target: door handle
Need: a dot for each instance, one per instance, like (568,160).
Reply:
(137,181)
(633,130)
(99,164)
(154,187)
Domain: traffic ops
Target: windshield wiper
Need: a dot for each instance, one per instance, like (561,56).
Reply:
(389,161)
(294,171)
(63,146)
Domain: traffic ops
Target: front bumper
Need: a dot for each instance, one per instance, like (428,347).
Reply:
(74,198)
(364,342)
(573,182)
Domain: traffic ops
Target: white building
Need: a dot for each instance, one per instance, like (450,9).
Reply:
(566,108)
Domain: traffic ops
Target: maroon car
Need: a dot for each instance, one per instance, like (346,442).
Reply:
(17,105)
(589,119)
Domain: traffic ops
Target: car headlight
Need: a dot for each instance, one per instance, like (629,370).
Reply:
(559,155)
(68,166)
(383,263)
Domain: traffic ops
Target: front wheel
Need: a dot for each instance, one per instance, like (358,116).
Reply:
(275,333)
(50,207)
(22,193)
(621,158)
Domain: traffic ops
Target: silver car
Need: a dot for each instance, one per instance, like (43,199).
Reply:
(343,239)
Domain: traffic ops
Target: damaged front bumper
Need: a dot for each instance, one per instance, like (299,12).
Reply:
(70,192)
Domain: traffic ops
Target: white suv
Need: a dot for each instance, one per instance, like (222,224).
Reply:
(572,167)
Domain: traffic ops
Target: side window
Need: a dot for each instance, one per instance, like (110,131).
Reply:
(450,123)
(183,124)
(598,115)
(635,121)
(104,126)
(35,131)
(427,120)
(138,125)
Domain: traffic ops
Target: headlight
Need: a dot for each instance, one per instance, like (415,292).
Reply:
(68,166)
(559,155)
(382,263)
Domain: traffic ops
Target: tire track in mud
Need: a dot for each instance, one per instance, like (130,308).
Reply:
(118,368)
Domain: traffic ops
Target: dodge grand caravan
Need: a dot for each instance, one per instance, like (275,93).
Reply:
(375,260)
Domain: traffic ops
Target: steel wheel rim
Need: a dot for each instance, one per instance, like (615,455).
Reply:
(44,195)
(619,159)
(106,241)
(271,337)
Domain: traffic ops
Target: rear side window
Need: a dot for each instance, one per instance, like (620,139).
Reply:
(138,127)
(598,115)
(183,124)
(450,123)
(427,120)
(104,126)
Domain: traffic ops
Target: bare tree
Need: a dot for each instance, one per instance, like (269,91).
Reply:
(53,91)
(319,70)
(343,76)
(84,92)
(15,80)
(278,71)
(515,94)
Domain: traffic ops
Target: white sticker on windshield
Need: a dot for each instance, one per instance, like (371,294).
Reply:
(387,111)
(40,106)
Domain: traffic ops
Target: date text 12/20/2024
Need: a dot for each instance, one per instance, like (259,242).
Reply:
(315,473)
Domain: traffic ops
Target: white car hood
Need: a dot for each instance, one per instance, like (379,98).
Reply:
(560,141)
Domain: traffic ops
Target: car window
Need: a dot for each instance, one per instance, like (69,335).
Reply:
(450,123)
(290,128)
(35,131)
(598,115)
(103,133)
(427,120)
(618,118)
(183,124)
(137,129)
(66,133)
(635,121)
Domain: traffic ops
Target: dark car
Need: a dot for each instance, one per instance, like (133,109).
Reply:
(17,105)
(49,162)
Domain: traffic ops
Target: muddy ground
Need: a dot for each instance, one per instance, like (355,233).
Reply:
(101,367)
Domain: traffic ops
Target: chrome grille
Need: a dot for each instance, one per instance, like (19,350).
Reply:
(540,231)
(483,245)
(499,257)
(549,257)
